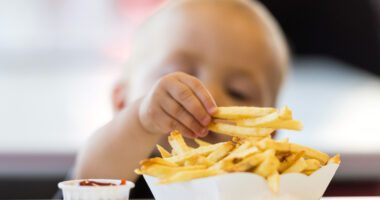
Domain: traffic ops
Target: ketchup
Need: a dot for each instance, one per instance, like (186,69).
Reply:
(97,183)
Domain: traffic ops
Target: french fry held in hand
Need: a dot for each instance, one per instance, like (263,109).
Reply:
(251,150)
(253,121)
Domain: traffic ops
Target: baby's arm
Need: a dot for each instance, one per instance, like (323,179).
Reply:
(178,101)
(115,150)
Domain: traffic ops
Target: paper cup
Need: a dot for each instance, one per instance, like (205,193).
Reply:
(244,186)
(73,191)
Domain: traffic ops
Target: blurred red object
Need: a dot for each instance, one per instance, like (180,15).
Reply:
(131,13)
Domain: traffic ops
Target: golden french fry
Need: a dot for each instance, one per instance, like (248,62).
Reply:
(163,152)
(269,165)
(312,165)
(231,155)
(335,159)
(251,150)
(252,140)
(286,113)
(235,157)
(282,156)
(177,142)
(287,124)
(189,175)
(240,148)
(232,130)
(205,150)
(220,152)
(191,161)
(310,153)
(284,140)
(248,163)
(201,142)
(268,143)
(242,112)
(198,160)
(297,167)
(274,182)
(244,153)
(308,172)
(162,171)
(289,161)
(157,160)
(276,120)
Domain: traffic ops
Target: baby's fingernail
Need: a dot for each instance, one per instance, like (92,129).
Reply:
(206,120)
(212,110)
(203,133)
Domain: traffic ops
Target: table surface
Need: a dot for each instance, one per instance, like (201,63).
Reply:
(336,198)
(349,198)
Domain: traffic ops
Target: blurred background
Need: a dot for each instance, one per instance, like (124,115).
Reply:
(60,58)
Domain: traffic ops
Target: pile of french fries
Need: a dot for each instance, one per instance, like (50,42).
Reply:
(251,149)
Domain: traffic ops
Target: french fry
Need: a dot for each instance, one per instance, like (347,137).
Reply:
(285,140)
(157,160)
(177,142)
(276,145)
(290,160)
(247,163)
(220,152)
(242,112)
(189,175)
(163,152)
(205,150)
(251,150)
(252,140)
(232,130)
(309,172)
(274,182)
(312,164)
(275,120)
(335,159)
(161,171)
(297,167)
(198,160)
(269,165)
(201,143)
(310,153)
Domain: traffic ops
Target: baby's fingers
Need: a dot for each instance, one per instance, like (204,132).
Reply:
(200,91)
(187,99)
(171,123)
(178,113)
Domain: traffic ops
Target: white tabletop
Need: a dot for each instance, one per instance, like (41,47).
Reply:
(350,198)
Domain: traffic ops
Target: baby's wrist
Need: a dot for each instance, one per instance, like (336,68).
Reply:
(142,121)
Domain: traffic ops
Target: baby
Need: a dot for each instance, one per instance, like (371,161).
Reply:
(189,58)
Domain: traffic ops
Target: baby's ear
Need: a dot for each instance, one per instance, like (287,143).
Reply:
(119,96)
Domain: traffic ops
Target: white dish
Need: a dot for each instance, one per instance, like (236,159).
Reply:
(73,191)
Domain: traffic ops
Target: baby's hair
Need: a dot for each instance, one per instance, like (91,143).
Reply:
(145,36)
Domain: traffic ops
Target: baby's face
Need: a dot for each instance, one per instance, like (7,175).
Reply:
(232,54)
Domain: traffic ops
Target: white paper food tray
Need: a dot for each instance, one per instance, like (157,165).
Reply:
(246,186)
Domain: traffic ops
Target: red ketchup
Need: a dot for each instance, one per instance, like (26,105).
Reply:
(97,183)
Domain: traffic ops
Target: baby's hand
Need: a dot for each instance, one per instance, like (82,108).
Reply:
(178,101)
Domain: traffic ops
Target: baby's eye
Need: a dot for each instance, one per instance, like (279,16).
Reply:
(237,95)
